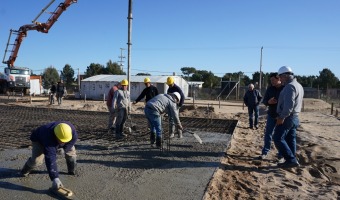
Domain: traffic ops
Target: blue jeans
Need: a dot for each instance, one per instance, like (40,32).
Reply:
(254,109)
(155,121)
(270,125)
(285,138)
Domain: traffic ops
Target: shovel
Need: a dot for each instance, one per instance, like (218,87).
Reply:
(132,126)
(195,136)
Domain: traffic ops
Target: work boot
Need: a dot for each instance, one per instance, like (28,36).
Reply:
(172,129)
(152,138)
(158,141)
(71,163)
(26,170)
(180,134)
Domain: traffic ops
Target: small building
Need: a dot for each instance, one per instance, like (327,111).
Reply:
(36,85)
(97,87)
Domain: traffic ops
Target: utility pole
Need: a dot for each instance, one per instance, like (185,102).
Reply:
(78,81)
(260,81)
(129,41)
(121,57)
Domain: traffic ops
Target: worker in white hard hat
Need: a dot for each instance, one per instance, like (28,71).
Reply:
(174,88)
(288,108)
(46,140)
(160,104)
(148,93)
(121,103)
(252,99)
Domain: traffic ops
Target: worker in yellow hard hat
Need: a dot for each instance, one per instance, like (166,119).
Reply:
(170,81)
(46,140)
(121,103)
(149,91)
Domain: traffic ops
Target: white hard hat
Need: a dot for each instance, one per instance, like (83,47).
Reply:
(178,96)
(285,69)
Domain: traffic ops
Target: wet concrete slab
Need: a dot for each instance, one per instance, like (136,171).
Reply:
(111,169)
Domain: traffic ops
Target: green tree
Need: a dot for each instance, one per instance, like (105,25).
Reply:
(187,71)
(94,69)
(113,68)
(235,76)
(143,74)
(209,79)
(68,74)
(50,75)
(327,79)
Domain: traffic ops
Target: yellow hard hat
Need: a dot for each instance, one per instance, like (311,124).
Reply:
(124,82)
(170,80)
(147,80)
(63,132)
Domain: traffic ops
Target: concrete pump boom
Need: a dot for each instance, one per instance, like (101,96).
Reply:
(41,27)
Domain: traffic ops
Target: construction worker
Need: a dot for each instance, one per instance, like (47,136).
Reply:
(289,106)
(53,91)
(149,91)
(174,88)
(270,100)
(46,140)
(121,102)
(162,103)
(60,91)
(252,99)
(112,115)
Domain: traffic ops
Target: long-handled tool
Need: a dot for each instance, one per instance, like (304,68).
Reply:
(195,135)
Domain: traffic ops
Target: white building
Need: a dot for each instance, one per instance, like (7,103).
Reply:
(96,87)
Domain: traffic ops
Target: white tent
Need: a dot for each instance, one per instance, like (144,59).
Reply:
(96,87)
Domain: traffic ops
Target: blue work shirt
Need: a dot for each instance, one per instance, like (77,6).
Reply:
(46,137)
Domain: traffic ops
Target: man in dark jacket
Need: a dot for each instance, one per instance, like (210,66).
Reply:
(162,103)
(270,100)
(46,140)
(53,91)
(60,91)
(252,99)
(149,91)
(174,88)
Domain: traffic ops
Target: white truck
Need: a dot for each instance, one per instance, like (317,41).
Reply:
(15,79)
(18,78)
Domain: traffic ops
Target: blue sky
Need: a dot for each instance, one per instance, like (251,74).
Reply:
(222,36)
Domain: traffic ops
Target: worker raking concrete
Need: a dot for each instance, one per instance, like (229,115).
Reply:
(46,140)
(162,103)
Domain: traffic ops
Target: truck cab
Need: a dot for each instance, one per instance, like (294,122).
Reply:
(15,79)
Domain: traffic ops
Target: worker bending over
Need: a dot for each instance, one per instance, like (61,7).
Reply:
(162,103)
(46,140)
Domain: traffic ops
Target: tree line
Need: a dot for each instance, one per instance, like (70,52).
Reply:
(326,78)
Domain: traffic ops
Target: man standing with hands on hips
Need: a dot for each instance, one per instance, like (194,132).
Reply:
(288,108)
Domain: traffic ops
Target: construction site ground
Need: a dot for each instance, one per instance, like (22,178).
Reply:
(225,166)
(109,168)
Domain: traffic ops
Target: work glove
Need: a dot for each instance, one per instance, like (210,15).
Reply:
(179,126)
(56,184)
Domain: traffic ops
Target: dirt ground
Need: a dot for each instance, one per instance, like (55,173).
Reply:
(239,175)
